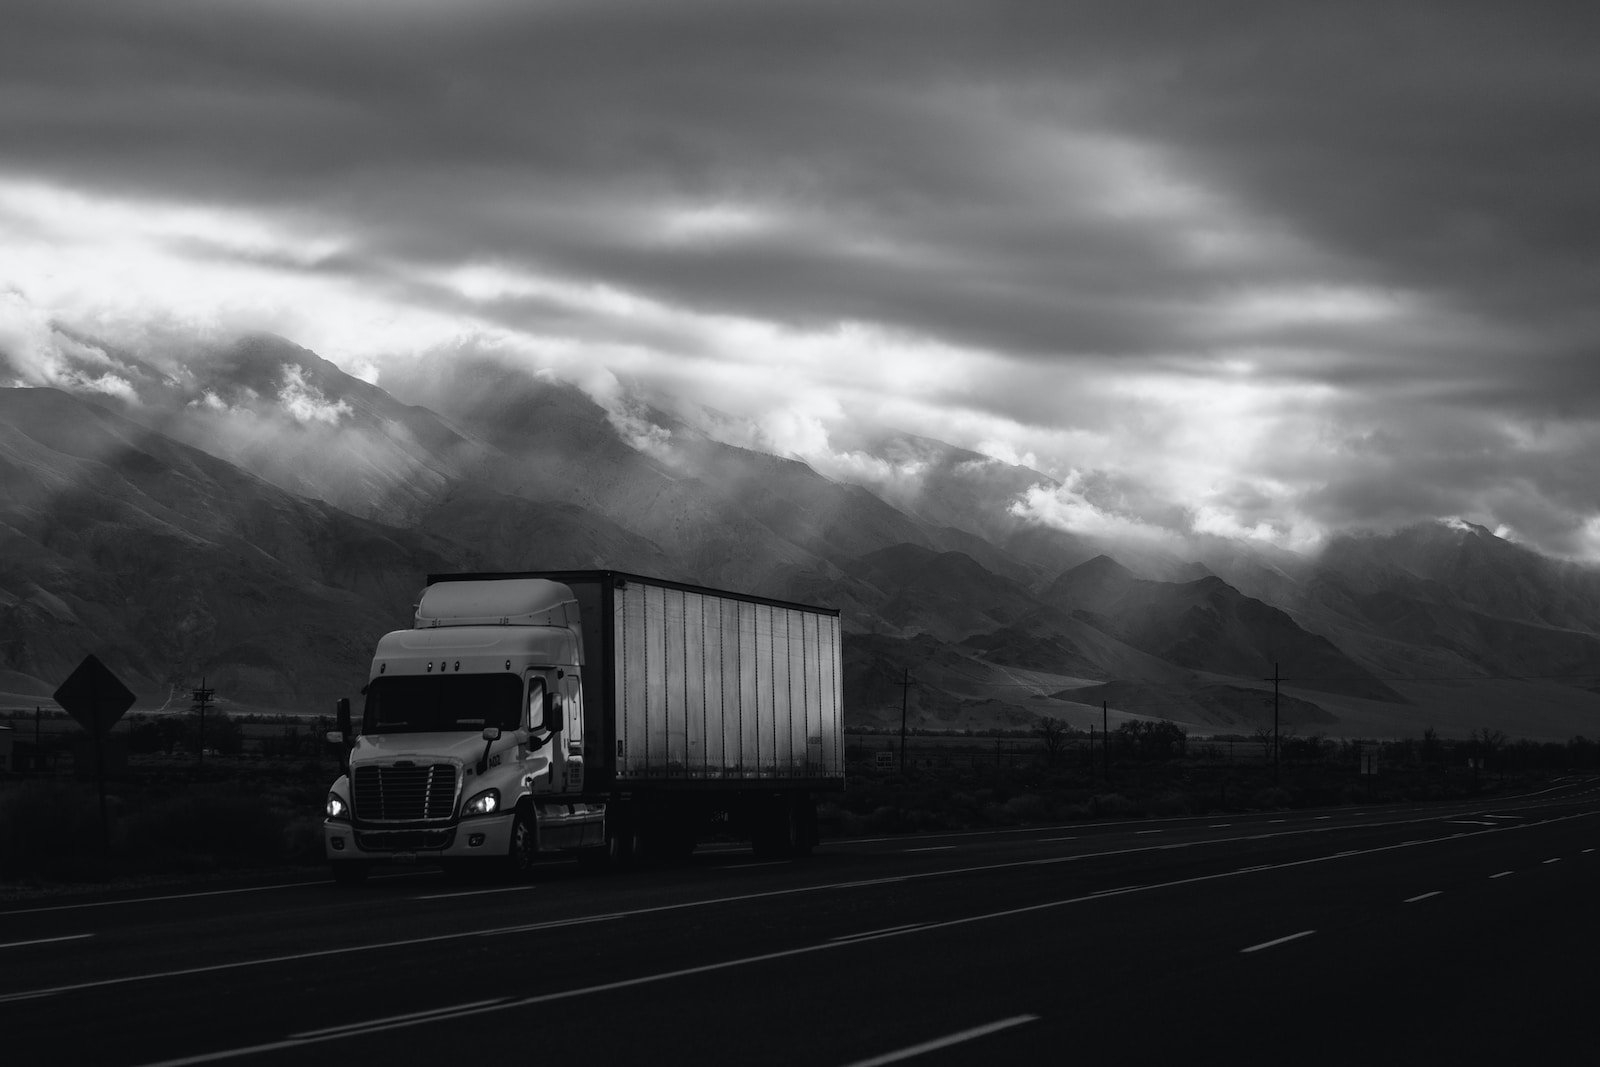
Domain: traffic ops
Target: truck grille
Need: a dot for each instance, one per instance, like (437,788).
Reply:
(405,794)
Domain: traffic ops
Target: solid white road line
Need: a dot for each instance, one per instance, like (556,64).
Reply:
(1278,941)
(876,933)
(763,863)
(45,940)
(944,1042)
(551,924)
(157,900)
(930,848)
(352,1028)
(1423,896)
(476,892)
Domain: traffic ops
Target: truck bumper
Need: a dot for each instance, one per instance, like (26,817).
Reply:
(487,837)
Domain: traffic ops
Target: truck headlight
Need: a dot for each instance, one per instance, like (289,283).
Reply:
(484,803)
(337,808)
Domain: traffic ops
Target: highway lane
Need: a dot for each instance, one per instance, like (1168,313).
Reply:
(896,943)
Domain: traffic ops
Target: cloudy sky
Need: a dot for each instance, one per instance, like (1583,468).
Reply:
(1259,269)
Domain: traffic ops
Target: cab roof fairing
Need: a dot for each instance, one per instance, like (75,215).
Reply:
(497,602)
(478,649)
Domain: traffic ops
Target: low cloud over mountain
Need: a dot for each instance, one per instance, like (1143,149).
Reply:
(258,516)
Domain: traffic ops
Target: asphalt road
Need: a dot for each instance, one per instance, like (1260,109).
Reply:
(1460,932)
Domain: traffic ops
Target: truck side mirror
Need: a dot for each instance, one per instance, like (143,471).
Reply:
(341,738)
(490,735)
(553,712)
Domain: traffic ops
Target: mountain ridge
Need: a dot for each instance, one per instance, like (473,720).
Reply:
(122,533)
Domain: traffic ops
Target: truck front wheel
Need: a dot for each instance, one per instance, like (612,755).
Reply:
(524,846)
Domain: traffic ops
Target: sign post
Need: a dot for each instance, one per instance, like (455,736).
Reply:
(202,700)
(97,699)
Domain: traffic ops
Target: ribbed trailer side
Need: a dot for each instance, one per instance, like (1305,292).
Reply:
(713,687)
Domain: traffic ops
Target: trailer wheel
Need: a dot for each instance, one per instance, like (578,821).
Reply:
(620,850)
(773,830)
(803,818)
(523,848)
(349,872)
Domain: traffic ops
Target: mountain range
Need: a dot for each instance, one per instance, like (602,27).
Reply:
(255,516)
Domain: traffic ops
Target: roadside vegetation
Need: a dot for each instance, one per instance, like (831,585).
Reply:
(249,798)
(954,781)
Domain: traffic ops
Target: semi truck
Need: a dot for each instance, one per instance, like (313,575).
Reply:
(600,713)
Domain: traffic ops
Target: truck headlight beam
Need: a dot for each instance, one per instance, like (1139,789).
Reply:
(484,803)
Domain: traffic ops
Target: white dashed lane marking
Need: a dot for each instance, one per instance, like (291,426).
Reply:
(45,940)
(1278,941)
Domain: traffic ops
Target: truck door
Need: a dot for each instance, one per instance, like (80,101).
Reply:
(589,818)
(545,767)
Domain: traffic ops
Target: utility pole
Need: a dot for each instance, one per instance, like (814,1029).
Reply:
(1275,679)
(1105,737)
(202,700)
(905,696)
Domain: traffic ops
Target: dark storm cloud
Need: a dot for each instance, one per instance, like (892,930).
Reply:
(1333,221)
(1445,148)
(510,132)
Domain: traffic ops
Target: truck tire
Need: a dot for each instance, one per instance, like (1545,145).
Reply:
(349,872)
(804,818)
(524,846)
(773,830)
(620,850)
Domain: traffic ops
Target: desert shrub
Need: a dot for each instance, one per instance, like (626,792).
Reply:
(1152,741)
(1027,807)
(51,828)
(1172,802)
(889,819)
(303,840)
(1108,805)
(1270,797)
(207,828)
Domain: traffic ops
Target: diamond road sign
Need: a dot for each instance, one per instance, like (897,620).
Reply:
(94,696)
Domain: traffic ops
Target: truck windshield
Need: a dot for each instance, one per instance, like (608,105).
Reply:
(409,704)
